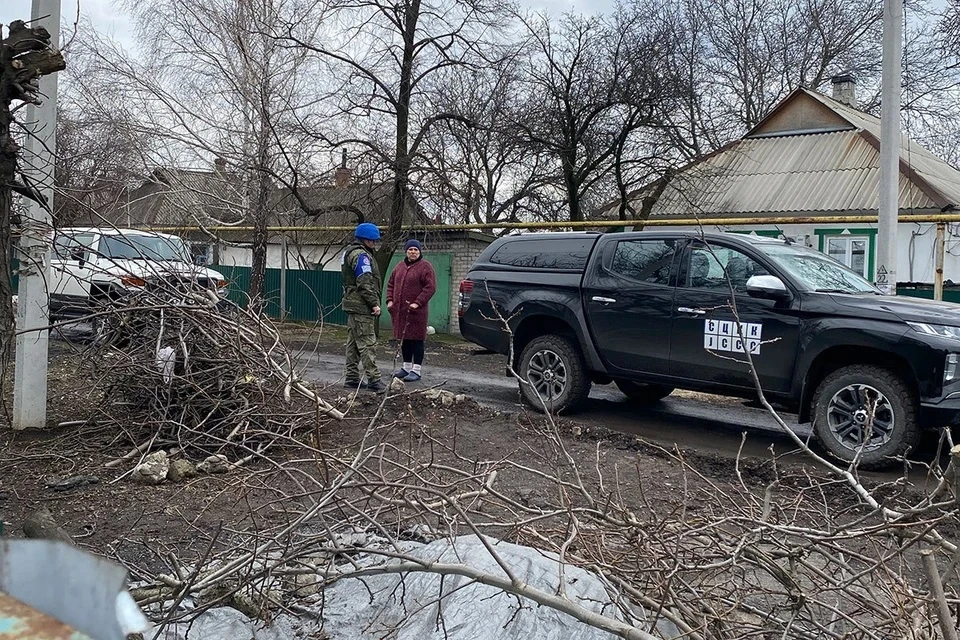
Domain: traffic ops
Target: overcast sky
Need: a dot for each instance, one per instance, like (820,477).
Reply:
(109,19)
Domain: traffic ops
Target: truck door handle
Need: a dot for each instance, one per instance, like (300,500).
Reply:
(603,300)
(698,312)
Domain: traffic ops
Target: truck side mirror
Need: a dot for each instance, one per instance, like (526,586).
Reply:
(769,287)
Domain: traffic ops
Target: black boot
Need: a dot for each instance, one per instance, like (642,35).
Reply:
(377,386)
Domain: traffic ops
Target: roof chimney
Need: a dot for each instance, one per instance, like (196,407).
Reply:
(845,89)
(220,165)
(343,175)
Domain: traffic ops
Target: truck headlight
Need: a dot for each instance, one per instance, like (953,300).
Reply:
(950,367)
(133,282)
(940,330)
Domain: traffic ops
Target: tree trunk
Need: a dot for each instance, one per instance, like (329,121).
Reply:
(573,193)
(260,217)
(649,200)
(25,55)
(8,168)
(402,160)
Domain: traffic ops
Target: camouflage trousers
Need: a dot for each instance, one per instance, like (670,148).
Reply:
(361,348)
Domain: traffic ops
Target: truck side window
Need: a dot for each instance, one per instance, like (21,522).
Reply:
(70,247)
(564,253)
(710,267)
(644,260)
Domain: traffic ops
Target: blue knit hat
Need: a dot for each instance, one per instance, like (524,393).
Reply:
(413,243)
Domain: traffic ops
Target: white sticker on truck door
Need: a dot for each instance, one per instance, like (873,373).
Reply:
(723,335)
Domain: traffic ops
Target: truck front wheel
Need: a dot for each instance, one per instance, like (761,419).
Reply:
(553,375)
(868,410)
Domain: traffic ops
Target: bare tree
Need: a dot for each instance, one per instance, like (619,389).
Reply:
(949,27)
(387,54)
(480,169)
(931,77)
(591,84)
(101,150)
(26,54)
(736,60)
(218,84)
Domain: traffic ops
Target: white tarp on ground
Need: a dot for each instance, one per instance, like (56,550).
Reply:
(410,606)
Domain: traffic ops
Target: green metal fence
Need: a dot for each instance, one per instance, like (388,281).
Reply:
(312,295)
(949,295)
(439,307)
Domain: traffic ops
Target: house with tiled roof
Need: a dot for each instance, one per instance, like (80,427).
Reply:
(815,157)
(304,237)
(179,197)
(195,199)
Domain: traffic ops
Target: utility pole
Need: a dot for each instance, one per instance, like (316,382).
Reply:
(886,277)
(30,377)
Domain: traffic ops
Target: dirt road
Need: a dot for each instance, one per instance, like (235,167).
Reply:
(689,420)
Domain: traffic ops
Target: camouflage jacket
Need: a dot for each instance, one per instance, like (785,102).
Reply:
(361,280)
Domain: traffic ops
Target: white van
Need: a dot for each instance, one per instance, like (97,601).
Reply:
(91,266)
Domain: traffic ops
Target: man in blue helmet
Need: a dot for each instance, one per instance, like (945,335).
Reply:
(361,303)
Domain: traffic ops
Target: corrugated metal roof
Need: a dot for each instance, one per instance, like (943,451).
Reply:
(813,173)
(186,197)
(942,177)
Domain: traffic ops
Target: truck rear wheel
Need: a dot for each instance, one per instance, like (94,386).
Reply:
(554,377)
(866,409)
(640,393)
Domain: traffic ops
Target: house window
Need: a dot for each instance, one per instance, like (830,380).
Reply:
(851,251)
(201,252)
(852,247)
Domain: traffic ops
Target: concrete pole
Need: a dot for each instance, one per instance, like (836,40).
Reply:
(30,373)
(886,278)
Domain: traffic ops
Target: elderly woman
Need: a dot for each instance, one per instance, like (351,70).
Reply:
(411,285)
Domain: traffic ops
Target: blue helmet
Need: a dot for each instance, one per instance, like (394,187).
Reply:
(367,231)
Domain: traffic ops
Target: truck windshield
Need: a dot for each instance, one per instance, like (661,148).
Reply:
(816,271)
(137,247)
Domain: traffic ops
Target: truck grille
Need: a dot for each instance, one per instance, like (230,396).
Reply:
(180,283)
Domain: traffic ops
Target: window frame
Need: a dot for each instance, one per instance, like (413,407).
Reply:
(88,249)
(853,234)
(687,259)
(516,248)
(679,247)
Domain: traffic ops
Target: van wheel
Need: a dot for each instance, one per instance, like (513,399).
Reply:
(866,409)
(555,378)
(640,393)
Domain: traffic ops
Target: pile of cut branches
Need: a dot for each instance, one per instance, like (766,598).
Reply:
(184,368)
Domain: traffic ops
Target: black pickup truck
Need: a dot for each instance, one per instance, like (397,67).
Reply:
(654,311)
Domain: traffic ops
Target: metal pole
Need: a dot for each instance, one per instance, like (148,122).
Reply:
(938,249)
(889,147)
(925,218)
(30,376)
(283,277)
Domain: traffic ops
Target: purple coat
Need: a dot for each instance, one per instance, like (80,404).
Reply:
(408,284)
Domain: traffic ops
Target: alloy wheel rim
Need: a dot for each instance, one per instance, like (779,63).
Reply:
(858,415)
(547,373)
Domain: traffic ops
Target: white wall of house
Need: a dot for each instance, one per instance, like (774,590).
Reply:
(234,256)
(328,255)
(855,245)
